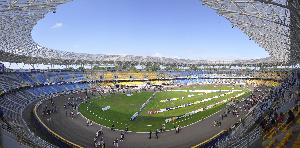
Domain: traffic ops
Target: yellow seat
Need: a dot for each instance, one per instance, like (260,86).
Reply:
(271,144)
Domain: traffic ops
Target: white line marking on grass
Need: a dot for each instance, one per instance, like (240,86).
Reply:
(196,121)
(166,130)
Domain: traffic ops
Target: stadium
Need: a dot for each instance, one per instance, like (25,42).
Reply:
(133,101)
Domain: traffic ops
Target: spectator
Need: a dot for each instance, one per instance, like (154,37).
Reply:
(291,117)
(150,134)
(156,133)
(126,129)
(122,136)
(113,127)
(280,118)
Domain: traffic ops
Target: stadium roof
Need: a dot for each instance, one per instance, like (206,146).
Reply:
(274,25)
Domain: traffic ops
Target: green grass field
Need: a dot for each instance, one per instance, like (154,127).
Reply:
(122,107)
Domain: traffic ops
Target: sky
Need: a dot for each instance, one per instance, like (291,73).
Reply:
(164,28)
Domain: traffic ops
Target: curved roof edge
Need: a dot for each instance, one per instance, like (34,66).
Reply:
(273,24)
(18,17)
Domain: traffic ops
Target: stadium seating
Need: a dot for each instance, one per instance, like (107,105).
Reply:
(296,144)
(11,81)
(18,89)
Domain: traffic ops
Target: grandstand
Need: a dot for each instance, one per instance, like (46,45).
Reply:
(240,103)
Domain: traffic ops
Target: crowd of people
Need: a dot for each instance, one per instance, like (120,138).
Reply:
(99,139)
(282,103)
(269,107)
(233,110)
(70,106)
(48,110)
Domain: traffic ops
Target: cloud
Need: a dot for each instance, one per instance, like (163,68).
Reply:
(57,25)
